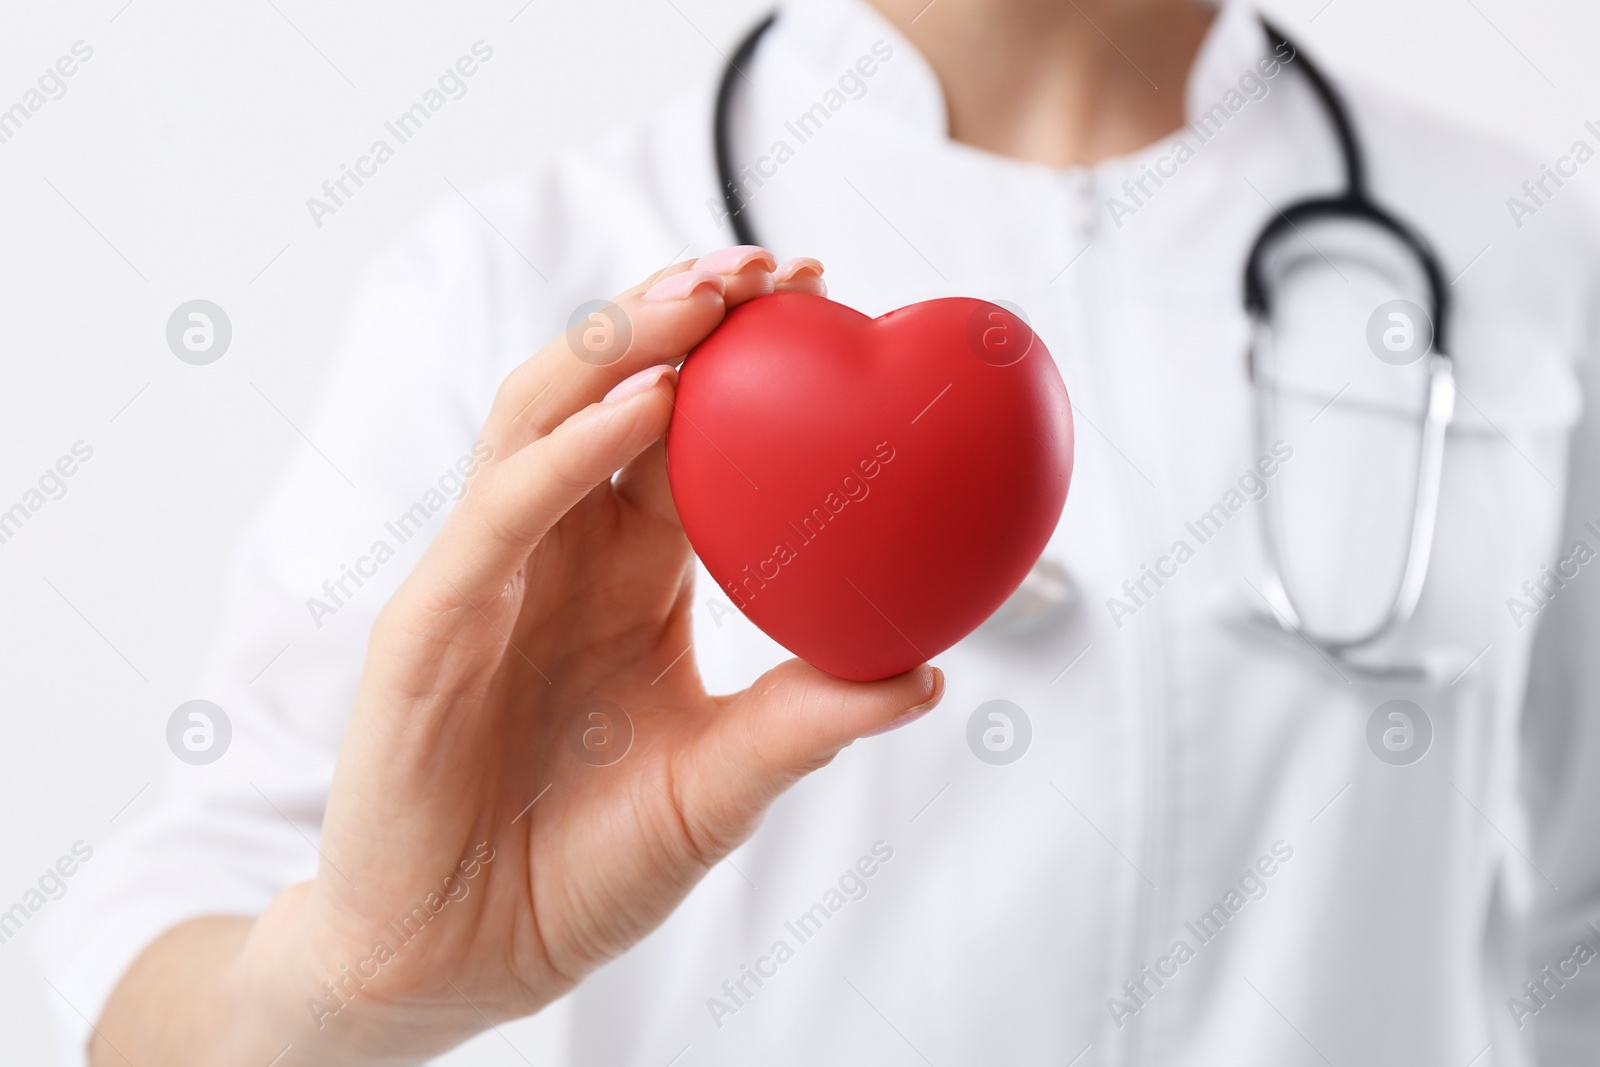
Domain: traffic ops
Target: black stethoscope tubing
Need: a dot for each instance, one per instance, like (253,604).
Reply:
(720,139)
(1353,203)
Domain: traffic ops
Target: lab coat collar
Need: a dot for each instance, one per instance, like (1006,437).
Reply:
(1231,49)
(827,37)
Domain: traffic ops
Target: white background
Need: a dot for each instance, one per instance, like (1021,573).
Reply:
(177,166)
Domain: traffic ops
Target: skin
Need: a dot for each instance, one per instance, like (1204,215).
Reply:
(1059,82)
(564,577)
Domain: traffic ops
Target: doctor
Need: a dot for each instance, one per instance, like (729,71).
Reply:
(485,770)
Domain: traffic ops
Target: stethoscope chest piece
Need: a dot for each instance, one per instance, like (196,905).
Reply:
(1044,600)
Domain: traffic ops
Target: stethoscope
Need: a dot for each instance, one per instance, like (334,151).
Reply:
(1048,594)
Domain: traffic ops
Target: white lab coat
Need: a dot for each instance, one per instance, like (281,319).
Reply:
(1175,748)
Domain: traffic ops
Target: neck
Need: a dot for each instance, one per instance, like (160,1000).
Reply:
(1057,83)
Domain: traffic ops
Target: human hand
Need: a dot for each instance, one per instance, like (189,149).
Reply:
(557,591)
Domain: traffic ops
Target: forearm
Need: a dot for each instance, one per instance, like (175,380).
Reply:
(174,1004)
(225,990)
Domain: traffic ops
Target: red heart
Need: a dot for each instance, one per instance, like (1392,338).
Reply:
(868,491)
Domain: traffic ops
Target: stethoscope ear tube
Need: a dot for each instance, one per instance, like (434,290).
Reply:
(721,145)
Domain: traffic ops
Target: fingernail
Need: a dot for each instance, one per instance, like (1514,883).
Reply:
(634,384)
(911,716)
(682,286)
(735,259)
(791,268)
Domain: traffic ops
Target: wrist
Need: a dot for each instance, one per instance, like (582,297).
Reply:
(299,991)
(270,994)
(260,992)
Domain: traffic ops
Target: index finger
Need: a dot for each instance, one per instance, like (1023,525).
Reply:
(657,321)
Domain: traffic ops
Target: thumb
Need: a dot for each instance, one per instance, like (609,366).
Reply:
(791,722)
